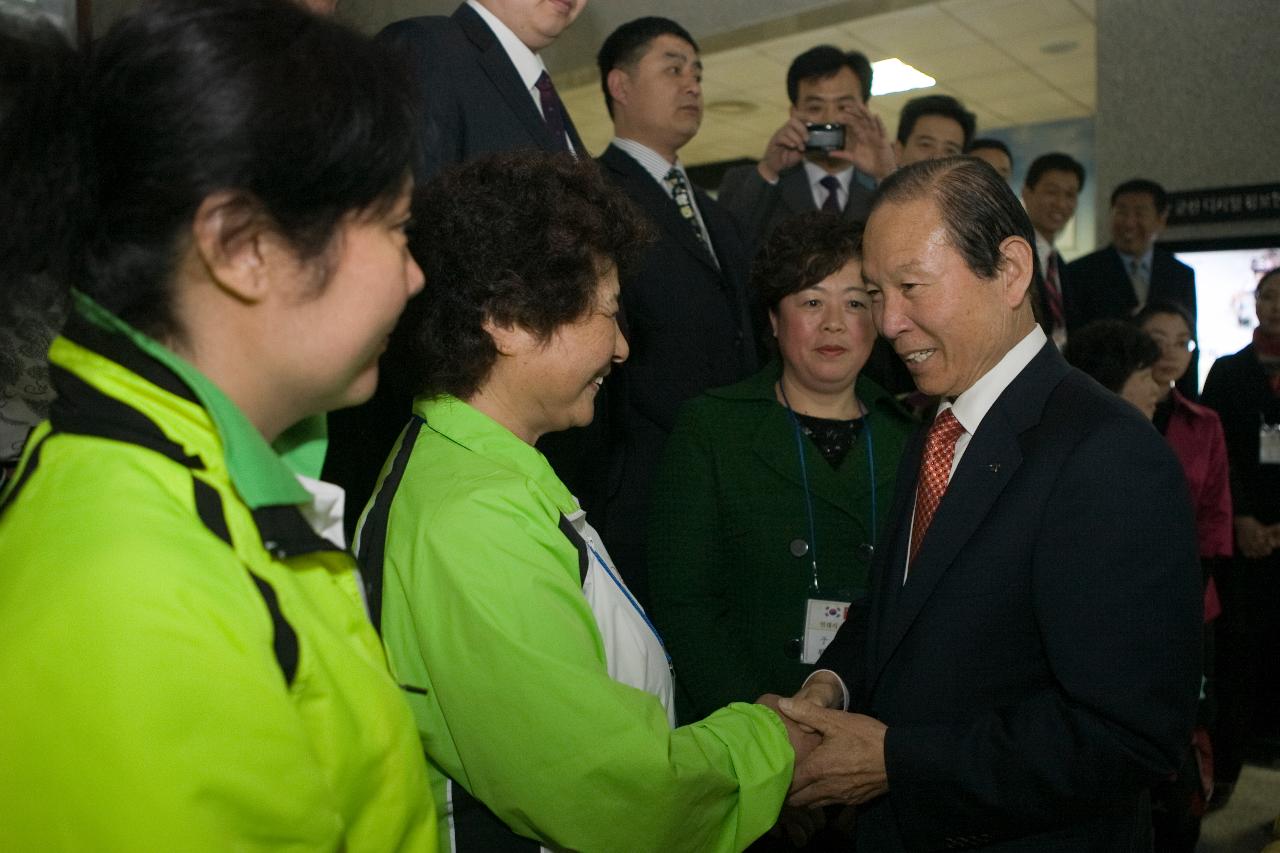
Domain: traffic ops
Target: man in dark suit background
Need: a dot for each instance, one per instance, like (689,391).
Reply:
(1117,280)
(826,86)
(686,307)
(484,86)
(484,89)
(1028,662)
(1049,193)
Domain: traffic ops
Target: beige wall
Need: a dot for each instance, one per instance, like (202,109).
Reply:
(1189,95)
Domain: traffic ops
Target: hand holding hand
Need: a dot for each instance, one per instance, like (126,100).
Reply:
(848,765)
(785,149)
(802,742)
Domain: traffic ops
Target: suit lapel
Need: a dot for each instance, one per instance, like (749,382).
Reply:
(495,63)
(793,185)
(886,580)
(655,201)
(776,431)
(990,461)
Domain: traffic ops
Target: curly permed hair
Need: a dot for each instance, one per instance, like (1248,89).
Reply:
(518,238)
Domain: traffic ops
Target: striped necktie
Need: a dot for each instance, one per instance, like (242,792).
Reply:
(679,189)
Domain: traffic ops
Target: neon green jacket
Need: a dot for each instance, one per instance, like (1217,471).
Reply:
(184,664)
(484,619)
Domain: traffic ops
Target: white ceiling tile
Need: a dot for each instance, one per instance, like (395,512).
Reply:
(1088,8)
(785,48)
(1029,48)
(1074,71)
(991,87)
(971,60)
(1001,19)
(1036,107)
(1086,96)
(916,29)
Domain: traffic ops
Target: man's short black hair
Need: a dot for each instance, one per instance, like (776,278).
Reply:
(990,143)
(1142,185)
(628,43)
(935,105)
(1055,161)
(823,61)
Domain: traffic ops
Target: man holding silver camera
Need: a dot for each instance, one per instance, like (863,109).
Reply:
(828,155)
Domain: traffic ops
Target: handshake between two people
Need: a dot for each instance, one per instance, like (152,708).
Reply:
(839,755)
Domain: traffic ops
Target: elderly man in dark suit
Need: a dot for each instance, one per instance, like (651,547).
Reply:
(686,306)
(1028,662)
(484,89)
(800,173)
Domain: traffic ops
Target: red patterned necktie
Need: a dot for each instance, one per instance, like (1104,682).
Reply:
(1053,290)
(935,473)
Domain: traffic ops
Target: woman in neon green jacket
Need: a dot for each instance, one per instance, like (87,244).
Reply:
(185,659)
(541,692)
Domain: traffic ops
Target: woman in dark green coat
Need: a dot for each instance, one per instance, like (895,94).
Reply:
(773,492)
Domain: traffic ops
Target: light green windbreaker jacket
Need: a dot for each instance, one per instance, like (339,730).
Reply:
(485,622)
(184,664)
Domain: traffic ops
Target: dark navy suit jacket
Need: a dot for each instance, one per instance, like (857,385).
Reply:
(1040,667)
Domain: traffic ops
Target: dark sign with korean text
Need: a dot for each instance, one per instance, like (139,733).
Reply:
(1226,204)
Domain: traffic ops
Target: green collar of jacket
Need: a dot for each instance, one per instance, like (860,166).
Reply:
(263,474)
(759,386)
(467,426)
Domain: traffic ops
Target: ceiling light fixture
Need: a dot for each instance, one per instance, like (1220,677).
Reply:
(894,75)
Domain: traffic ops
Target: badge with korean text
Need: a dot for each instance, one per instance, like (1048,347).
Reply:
(821,621)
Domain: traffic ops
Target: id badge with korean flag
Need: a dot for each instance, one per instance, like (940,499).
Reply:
(822,618)
(1269,444)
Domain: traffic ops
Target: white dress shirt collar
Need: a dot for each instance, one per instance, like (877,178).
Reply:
(528,64)
(1144,261)
(972,406)
(816,173)
(652,162)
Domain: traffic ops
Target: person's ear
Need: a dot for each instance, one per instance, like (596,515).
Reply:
(231,238)
(773,321)
(619,85)
(1017,269)
(509,339)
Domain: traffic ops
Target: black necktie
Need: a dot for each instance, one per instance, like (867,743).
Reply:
(831,203)
(552,111)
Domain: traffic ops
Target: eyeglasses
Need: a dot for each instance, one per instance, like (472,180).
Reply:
(1179,346)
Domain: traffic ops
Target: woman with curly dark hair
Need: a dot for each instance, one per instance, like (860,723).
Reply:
(541,690)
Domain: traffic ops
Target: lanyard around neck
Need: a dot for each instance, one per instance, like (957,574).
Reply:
(804,479)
